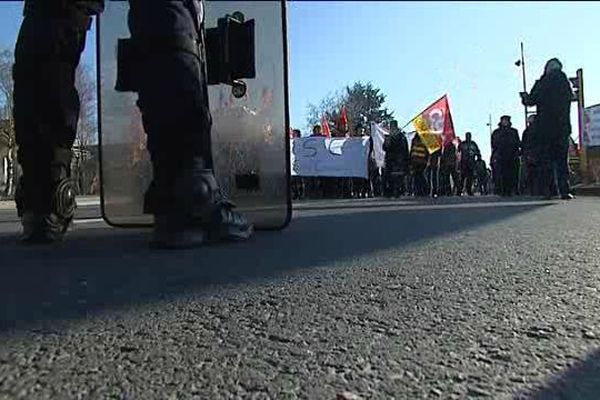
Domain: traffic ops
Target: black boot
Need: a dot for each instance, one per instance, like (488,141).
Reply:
(47,212)
(193,210)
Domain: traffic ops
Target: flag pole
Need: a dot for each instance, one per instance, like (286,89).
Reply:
(416,116)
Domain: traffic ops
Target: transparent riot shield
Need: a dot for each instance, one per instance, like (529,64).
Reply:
(250,143)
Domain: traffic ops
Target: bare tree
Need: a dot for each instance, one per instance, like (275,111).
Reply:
(7,125)
(85,165)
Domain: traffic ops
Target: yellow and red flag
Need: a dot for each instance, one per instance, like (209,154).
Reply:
(434,125)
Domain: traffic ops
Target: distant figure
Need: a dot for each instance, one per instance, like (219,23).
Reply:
(506,148)
(433,173)
(396,161)
(448,169)
(552,96)
(530,159)
(468,153)
(418,162)
(316,132)
(361,187)
(316,185)
(298,182)
(481,172)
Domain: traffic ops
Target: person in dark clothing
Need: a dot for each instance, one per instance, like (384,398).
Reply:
(315,185)
(361,187)
(396,161)
(316,131)
(172,97)
(506,148)
(529,158)
(490,185)
(469,151)
(297,182)
(46,112)
(481,172)
(370,183)
(433,173)
(448,169)
(552,96)
(419,157)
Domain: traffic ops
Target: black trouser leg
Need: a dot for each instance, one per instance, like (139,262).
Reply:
(46,103)
(173,96)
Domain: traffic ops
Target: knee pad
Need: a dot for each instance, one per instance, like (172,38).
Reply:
(205,190)
(63,203)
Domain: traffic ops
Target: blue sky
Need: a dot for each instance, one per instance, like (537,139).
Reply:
(417,51)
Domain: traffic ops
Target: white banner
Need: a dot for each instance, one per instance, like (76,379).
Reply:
(333,157)
(591,126)
(378,134)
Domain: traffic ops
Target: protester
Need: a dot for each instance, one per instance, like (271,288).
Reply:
(316,187)
(433,170)
(506,148)
(468,153)
(552,96)
(396,161)
(529,159)
(317,131)
(419,157)
(481,173)
(361,187)
(448,169)
(298,183)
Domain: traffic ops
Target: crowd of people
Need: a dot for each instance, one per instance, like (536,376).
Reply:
(408,171)
(535,164)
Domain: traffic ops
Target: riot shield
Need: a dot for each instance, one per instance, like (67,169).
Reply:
(250,143)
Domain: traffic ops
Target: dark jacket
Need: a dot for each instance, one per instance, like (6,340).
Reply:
(552,96)
(529,143)
(468,152)
(505,143)
(481,170)
(396,151)
(448,160)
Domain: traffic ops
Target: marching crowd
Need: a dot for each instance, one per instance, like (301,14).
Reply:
(534,164)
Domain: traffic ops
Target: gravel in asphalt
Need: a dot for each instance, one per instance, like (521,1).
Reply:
(479,302)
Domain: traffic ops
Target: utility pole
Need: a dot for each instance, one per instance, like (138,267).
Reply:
(577,83)
(521,63)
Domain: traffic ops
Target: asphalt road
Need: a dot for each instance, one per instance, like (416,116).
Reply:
(447,299)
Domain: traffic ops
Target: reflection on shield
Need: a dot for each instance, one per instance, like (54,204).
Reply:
(249,136)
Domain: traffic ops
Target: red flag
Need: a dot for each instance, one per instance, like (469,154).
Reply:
(449,134)
(344,119)
(325,126)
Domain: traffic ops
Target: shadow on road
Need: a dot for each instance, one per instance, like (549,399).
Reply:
(98,269)
(581,381)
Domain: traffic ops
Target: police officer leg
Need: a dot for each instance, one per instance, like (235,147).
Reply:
(46,111)
(184,198)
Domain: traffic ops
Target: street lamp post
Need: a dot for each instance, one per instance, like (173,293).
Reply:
(521,63)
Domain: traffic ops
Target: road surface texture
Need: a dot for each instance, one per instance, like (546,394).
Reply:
(469,298)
